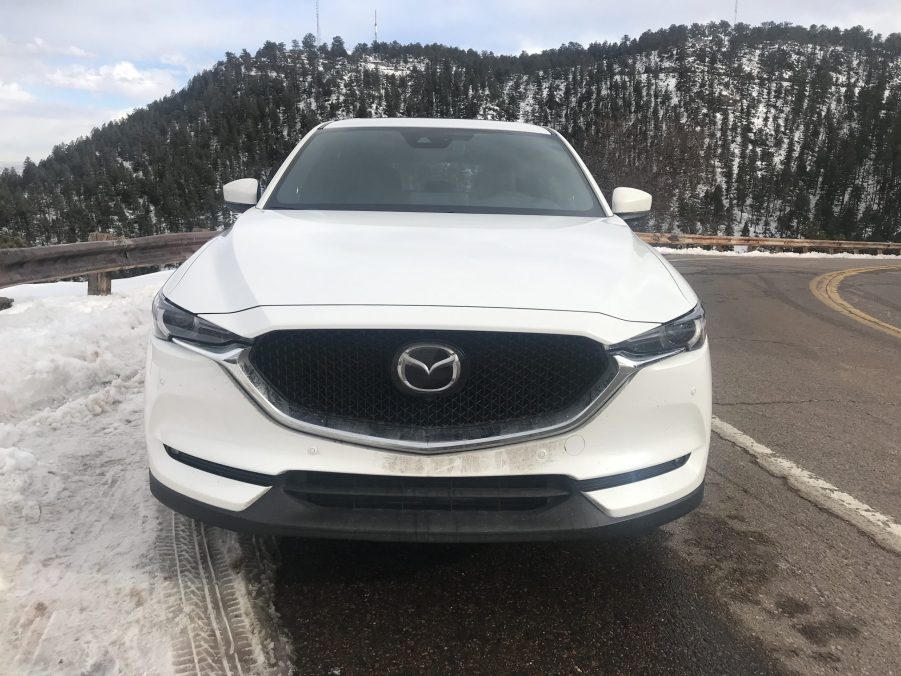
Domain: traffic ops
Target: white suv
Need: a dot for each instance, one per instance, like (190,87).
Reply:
(429,330)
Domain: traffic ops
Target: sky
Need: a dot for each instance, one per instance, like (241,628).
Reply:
(67,67)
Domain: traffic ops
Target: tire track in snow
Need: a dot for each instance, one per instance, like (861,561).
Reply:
(215,633)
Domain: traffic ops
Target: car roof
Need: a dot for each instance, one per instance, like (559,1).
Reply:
(358,123)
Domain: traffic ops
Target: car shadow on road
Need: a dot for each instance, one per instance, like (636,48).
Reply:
(618,606)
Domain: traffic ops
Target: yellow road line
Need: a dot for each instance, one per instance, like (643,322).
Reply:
(825,288)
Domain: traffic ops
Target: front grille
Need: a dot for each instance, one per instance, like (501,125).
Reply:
(341,379)
(455,494)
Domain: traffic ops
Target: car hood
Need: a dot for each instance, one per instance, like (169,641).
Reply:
(423,259)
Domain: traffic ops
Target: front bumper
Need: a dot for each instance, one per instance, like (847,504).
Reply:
(278,513)
(193,405)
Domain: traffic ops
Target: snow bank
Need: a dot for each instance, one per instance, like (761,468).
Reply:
(56,345)
(87,579)
(74,522)
(742,251)
(128,285)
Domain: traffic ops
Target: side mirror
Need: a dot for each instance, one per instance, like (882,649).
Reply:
(240,194)
(631,204)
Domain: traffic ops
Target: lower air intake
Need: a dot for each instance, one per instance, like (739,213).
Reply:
(490,494)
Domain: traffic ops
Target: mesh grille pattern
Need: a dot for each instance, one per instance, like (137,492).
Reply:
(340,376)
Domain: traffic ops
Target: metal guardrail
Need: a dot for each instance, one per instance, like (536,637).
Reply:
(48,263)
(98,258)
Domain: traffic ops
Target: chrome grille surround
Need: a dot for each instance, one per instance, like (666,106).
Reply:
(236,362)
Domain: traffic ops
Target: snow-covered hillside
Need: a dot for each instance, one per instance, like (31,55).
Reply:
(772,129)
(95,576)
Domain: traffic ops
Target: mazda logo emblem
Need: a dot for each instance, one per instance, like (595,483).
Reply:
(428,368)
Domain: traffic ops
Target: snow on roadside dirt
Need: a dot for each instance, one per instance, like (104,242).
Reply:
(95,576)
(744,251)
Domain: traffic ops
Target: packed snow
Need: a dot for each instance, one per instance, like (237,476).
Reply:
(86,584)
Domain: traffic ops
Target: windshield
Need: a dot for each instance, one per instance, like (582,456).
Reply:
(436,170)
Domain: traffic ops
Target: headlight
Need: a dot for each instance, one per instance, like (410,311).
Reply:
(683,334)
(170,321)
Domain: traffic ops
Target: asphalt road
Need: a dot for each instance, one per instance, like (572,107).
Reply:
(757,580)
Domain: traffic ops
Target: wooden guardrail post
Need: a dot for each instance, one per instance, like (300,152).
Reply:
(100,283)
